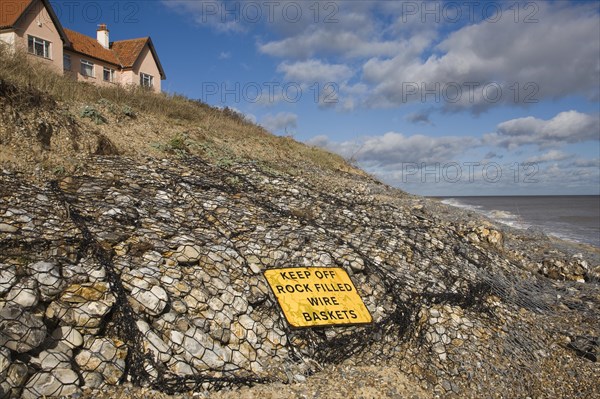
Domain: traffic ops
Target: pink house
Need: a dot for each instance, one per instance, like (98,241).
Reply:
(32,25)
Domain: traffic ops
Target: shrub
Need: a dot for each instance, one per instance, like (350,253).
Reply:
(93,114)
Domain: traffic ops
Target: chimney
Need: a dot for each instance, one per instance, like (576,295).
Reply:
(102,35)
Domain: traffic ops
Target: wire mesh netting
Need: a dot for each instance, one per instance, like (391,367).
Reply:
(152,273)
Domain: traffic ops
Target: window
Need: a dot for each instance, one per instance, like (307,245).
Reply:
(109,75)
(146,80)
(39,47)
(66,62)
(87,68)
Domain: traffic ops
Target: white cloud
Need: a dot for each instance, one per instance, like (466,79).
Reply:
(348,30)
(552,58)
(586,163)
(312,71)
(478,65)
(224,55)
(565,127)
(550,156)
(280,122)
(332,42)
(392,149)
(419,117)
(211,14)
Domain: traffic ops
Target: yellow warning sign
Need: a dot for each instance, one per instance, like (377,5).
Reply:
(317,296)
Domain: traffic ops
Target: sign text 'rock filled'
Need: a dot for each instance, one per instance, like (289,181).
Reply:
(317,296)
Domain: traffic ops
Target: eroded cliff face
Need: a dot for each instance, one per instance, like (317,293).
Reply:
(150,271)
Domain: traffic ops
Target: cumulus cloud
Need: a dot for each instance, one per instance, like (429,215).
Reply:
(419,117)
(280,122)
(510,62)
(492,155)
(346,29)
(210,14)
(347,44)
(565,127)
(311,71)
(224,55)
(550,156)
(585,163)
(392,148)
(471,65)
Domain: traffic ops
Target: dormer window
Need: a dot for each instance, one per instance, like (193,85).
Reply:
(37,46)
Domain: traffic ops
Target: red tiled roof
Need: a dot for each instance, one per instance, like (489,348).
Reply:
(128,51)
(123,53)
(89,46)
(11,10)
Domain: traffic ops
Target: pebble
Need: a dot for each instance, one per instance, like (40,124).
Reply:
(20,330)
(176,254)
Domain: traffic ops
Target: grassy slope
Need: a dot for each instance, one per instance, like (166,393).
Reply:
(49,124)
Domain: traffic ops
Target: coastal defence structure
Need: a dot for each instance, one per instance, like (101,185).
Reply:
(158,278)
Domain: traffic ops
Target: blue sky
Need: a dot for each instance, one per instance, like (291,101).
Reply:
(449,98)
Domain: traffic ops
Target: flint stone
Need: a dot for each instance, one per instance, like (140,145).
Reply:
(179,306)
(204,352)
(75,274)
(153,343)
(58,382)
(152,301)
(4,360)
(92,379)
(106,356)
(357,264)
(50,282)
(15,378)
(83,305)
(24,293)
(196,300)
(54,358)
(180,367)
(188,254)
(20,330)
(143,278)
(7,228)
(69,336)
(8,278)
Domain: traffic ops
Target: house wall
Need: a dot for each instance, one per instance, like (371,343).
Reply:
(38,23)
(145,64)
(8,38)
(98,77)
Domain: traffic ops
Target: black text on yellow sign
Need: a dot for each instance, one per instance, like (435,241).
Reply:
(317,296)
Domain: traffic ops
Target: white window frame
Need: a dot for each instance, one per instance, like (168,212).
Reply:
(67,64)
(32,47)
(86,63)
(146,80)
(111,74)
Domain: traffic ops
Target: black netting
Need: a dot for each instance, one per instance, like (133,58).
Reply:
(152,273)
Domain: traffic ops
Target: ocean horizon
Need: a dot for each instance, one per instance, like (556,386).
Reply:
(574,218)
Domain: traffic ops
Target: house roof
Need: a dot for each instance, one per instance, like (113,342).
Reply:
(12,11)
(128,52)
(123,53)
(89,46)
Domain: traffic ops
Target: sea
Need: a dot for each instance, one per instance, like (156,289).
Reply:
(571,218)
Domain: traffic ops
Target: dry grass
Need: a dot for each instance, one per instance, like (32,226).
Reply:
(86,119)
